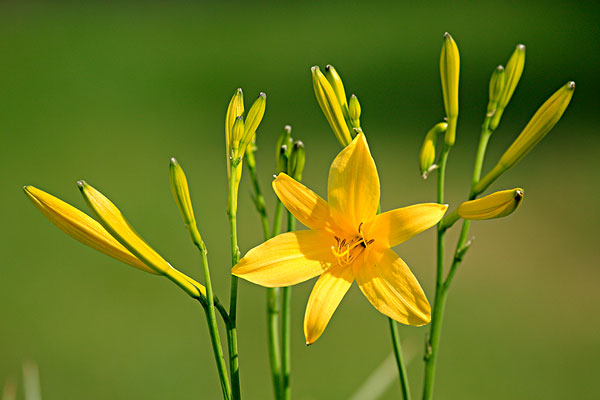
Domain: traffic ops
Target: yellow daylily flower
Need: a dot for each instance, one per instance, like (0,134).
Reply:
(347,241)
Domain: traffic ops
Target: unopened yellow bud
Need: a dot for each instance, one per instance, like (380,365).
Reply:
(253,119)
(82,227)
(354,111)
(450,71)
(296,161)
(540,124)
(113,221)
(330,106)
(513,72)
(181,193)
(234,110)
(427,154)
(496,205)
(338,87)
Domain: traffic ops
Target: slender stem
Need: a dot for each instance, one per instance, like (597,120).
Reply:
(398,353)
(286,311)
(272,293)
(277,218)
(259,200)
(273,339)
(235,255)
(443,285)
(440,296)
(209,308)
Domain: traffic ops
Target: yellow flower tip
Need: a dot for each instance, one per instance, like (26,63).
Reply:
(495,205)
(181,194)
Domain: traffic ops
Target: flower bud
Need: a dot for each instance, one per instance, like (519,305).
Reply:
(354,111)
(450,71)
(497,83)
(253,119)
(330,106)
(513,72)
(282,159)
(82,227)
(284,139)
(338,87)
(495,205)
(113,221)
(427,154)
(296,161)
(181,193)
(540,124)
(234,110)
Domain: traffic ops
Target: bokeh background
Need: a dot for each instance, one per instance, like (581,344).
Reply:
(109,92)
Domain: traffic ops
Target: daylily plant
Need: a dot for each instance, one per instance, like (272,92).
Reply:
(347,241)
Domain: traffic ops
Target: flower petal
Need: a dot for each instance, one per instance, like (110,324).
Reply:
(396,226)
(390,286)
(307,206)
(324,299)
(82,227)
(353,187)
(288,259)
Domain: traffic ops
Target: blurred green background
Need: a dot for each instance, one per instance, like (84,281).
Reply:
(108,92)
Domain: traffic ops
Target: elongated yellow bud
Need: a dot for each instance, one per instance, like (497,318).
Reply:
(253,119)
(496,205)
(450,71)
(113,221)
(513,72)
(497,83)
(338,87)
(330,106)
(234,110)
(181,193)
(82,227)
(540,124)
(354,111)
(427,154)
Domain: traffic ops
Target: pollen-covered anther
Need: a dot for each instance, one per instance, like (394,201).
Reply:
(347,250)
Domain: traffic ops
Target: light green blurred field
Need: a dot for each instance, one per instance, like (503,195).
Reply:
(109,92)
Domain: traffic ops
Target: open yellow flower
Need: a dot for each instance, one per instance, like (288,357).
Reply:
(347,241)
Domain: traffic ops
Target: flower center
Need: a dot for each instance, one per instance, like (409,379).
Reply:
(348,249)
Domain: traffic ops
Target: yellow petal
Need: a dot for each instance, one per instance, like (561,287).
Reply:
(112,219)
(288,259)
(307,206)
(324,299)
(81,227)
(390,286)
(353,186)
(394,227)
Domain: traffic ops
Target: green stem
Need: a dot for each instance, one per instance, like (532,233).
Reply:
(235,255)
(440,294)
(398,353)
(259,200)
(443,285)
(272,293)
(211,317)
(286,311)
